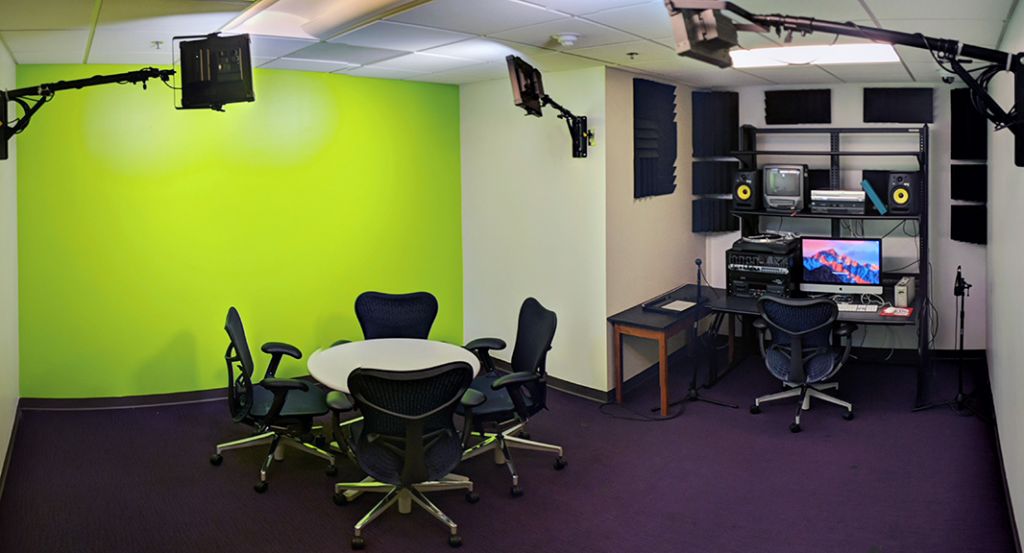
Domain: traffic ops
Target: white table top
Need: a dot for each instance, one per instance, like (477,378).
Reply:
(332,366)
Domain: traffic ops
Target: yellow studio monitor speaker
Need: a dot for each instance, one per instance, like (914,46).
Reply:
(903,190)
(746,191)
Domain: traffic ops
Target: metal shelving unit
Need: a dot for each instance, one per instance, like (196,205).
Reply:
(750,220)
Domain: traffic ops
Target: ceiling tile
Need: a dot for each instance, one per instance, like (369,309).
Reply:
(556,61)
(794,74)
(581,7)
(59,14)
(471,74)
(425,63)
(320,66)
(181,17)
(590,34)
(956,10)
(60,46)
(870,72)
(649,20)
(108,44)
(619,53)
(399,36)
(353,55)
(484,49)
(378,72)
(275,47)
(482,17)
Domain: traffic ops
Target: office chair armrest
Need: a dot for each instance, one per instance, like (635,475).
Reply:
(281,348)
(485,344)
(514,379)
(760,324)
(277,350)
(472,398)
(339,402)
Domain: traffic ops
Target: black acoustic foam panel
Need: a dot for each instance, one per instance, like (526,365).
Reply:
(969,183)
(712,215)
(713,177)
(716,123)
(968,128)
(969,223)
(790,107)
(898,105)
(654,138)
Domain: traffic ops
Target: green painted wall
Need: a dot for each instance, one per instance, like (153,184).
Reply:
(139,224)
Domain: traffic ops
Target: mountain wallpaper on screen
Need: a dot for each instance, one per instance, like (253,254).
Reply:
(828,266)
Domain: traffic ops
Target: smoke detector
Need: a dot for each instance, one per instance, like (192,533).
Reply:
(566,39)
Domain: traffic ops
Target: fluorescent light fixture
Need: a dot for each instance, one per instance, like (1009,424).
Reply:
(832,54)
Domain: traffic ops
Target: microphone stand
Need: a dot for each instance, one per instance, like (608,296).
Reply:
(693,393)
(963,403)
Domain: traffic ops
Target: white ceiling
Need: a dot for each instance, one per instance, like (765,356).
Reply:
(460,41)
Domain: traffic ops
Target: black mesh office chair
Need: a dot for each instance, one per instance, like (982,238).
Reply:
(280,410)
(796,342)
(383,315)
(511,399)
(408,442)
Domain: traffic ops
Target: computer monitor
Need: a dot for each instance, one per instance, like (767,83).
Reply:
(842,265)
(784,187)
(527,86)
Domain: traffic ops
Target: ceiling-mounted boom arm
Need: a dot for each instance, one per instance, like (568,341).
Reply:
(40,94)
(943,50)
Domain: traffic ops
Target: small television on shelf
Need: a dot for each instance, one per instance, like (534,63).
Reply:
(784,187)
(841,265)
(527,86)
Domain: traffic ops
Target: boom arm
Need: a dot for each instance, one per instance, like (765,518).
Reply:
(943,50)
(45,92)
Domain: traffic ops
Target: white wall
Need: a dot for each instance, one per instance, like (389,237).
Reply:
(8,277)
(898,250)
(651,248)
(533,220)
(1005,293)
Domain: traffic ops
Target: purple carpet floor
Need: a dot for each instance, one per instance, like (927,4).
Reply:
(712,480)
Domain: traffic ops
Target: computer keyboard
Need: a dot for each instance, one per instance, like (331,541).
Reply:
(858,307)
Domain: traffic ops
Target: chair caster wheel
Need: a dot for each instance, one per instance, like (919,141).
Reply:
(848,415)
(358,543)
(332,470)
(561,463)
(455,541)
(260,487)
(340,499)
(755,409)
(472,497)
(515,491)
(216,459)
(794,428)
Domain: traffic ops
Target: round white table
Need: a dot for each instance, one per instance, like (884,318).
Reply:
(332,366)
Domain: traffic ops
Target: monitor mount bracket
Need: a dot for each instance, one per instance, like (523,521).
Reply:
(32,98)
(578,131)
(943,50)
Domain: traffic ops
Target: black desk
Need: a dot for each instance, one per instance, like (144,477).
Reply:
(654,325)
